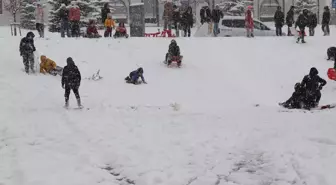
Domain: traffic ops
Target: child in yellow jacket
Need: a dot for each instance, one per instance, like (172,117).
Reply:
(109,25)
(49,66)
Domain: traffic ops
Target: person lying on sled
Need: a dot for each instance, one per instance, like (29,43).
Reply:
(296,101)
(134,76)
(49,66)
(173,51)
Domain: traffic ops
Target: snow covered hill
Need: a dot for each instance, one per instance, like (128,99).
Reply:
(197,125)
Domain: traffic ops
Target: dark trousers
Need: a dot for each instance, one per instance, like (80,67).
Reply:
(65,28)
(302,35)
(326,29)
(311,31)
(289,32)
(278,30)
(75,31)
(28,61)
(186,30)
(40,29)
(108,32)
(67,93)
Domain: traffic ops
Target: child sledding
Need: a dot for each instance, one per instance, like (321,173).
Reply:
(121,31)
(173,55)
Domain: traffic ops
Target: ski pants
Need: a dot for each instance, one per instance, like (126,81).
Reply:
(108,32)
(186,30)
(313,99)
(65,28)
(75,31)
(325,29)
(278,30)
(28,61)
(176,25)
(302,34)
(67,93)
(249,31)
(311,31)
(40,29)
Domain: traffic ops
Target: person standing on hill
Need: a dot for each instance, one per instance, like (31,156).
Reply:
(71,79)
(64,16)
(217,14)
(176,19)
(249,23)
(74,17)
(187,21)
(326,21)
(39,19)
(279,20)
(302,22)
(312,23)
(290,20)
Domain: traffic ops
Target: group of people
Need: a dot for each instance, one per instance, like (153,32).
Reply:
(305,19)
(212,18)
(70,20)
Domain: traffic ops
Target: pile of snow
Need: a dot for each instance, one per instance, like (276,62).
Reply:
(197,125)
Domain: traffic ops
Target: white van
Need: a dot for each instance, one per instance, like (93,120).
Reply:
(234,26)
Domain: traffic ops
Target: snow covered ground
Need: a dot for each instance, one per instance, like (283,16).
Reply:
(197,125)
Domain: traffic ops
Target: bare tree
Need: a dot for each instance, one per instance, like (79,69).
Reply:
(13,6)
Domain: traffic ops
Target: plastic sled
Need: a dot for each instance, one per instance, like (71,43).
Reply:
(331,74)
(175,61)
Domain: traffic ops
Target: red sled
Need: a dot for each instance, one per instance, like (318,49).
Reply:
(331,74)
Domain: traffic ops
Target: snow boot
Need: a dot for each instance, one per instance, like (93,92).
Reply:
(66,104)
(79,103)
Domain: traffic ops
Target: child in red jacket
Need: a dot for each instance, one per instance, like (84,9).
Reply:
(92,31)
(121,31)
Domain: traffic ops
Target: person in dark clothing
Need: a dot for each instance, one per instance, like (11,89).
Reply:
(302,22)
(27,49)
(296,101)
(173,51)
(205,14)
(134,76)
(187,21)
(313,85)
(105,10)
(64,16)
(217,14)
(290,20)
(331,53)
(176,19)
(326,21)
(279,20)
(312,23)
(71,79)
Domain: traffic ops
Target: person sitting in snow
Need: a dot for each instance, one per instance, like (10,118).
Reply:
(109,25)
(49,66)
(296,101)
(313,85)
(134,77)
(27,49)
(121,31)
(92,31)
(173,51)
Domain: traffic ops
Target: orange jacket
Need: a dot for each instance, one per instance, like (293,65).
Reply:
(109,23)
(46,65)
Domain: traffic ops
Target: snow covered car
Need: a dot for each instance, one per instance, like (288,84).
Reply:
(234,26)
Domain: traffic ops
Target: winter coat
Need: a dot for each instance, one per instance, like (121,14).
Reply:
(176,15)
(326,17)
(71,77)
(312,21)
(290,18)
(205,14)
(249,23)
(64,14)
(297,99)
(302,21)
(217,14)
(121,29)
(168,11)
(312,82)
(27,46)
(109,23)
(187,19)
(174,50)
(91,30)
(39,15)
(46,65)
(135,75)
(279,18)
(74,14)
(104,13)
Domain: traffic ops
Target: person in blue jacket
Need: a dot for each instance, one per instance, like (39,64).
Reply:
(134,77)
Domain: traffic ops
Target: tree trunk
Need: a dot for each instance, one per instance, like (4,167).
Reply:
(14,16)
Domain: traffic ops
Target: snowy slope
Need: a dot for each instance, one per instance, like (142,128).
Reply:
(191,126)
